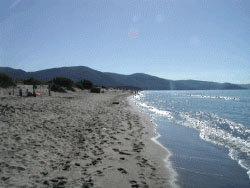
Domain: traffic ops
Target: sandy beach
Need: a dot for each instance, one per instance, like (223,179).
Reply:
(79,139)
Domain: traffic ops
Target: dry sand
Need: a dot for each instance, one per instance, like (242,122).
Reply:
(78,139)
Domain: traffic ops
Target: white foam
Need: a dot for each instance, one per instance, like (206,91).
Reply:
(167,161)
(210,131)
(212,128)
(138,96)
(156,111)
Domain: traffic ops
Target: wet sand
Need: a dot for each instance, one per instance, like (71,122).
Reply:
(78,139)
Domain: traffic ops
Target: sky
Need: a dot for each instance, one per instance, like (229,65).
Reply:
(173,39)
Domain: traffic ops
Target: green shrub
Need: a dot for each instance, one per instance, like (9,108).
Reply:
(32,81)
(60,82)
(86,84)
(63,82)
(6,81)
(79,85)
(57,88)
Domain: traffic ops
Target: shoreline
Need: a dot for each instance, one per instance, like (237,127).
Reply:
(163,152)
(195,159)
(78,139)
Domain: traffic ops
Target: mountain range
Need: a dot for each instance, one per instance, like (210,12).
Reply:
(134,81)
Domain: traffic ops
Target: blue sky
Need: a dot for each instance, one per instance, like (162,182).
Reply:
(174,39)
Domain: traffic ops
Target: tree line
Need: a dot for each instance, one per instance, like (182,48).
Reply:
(58,84)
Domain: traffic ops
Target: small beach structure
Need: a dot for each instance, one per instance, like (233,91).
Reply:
(95,90)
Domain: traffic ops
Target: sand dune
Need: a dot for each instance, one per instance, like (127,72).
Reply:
(78,139)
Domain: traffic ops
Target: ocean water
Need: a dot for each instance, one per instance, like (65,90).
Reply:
(207,132)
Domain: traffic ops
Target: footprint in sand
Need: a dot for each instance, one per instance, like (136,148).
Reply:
(123,171)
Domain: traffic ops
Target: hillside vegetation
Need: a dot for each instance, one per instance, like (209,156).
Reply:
(134,81)
(6,81)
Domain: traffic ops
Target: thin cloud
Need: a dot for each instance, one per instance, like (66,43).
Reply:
(14,4)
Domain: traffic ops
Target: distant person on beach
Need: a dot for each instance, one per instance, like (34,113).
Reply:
(27,93)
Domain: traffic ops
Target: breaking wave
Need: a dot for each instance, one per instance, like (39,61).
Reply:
(212,128)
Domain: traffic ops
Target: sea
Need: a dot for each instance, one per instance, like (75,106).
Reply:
(207,133)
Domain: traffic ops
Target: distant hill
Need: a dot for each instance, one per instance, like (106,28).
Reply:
(133,81)
(245,85)
(15,73)
(143,81)
(203,85)
(75,73)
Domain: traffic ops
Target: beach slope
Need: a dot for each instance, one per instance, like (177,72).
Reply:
(78,139)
